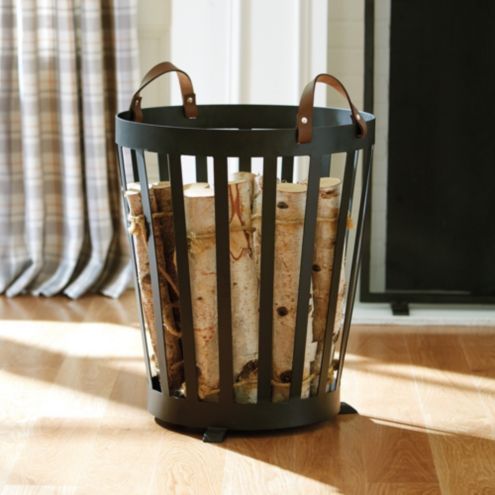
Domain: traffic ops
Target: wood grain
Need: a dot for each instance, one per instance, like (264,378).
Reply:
(451,401)
(73,416)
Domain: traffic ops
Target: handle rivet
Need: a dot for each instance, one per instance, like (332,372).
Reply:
(304,120)
(189,99)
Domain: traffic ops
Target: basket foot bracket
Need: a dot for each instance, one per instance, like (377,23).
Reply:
(347,409)
(214,435)
(400,308)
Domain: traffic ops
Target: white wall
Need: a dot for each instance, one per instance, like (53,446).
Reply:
(154,46)
(248,52)
(236,51)
(346,48)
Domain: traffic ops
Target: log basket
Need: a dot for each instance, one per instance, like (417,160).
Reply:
(274,134)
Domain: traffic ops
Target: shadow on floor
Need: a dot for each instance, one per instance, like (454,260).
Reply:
(85,374)
(354,453)
(358,454)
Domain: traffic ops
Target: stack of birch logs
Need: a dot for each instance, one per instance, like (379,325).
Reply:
(245,195)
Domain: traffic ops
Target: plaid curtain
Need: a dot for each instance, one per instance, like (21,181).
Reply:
(66,68)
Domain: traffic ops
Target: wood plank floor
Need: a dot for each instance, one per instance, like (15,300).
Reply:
(73,418)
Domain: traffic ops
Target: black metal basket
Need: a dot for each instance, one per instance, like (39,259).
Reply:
(247,131)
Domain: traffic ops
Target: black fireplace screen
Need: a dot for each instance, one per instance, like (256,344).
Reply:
(438,230)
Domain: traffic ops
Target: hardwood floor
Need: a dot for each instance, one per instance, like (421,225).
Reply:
(73,417)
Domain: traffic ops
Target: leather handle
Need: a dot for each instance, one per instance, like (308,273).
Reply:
(186,88)
(305,113)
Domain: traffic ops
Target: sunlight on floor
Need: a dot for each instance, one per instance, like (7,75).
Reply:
(275,479)
(73,418)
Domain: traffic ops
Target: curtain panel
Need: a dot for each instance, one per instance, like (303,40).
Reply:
(66,68)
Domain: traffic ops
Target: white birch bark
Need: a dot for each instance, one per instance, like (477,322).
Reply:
(199,205)
(244,291)
(200,219)
(289,225)
(165,245)
(171,333)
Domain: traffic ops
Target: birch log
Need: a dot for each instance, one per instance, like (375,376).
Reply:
(289,223)
(200,211)
(162,199)
(199,205)
(325,235)
(171,334)
(250,178)
(244,291)
(257,205)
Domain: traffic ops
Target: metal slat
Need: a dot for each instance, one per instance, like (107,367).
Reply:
(305,276)
(201,169)
(364,280)
(325,165)
(155,282)
(356,258)
(244,163)
(125,209)
(347,191)
(266,279)
(369,55)
(288,168)
(182,257)
(135,174)
(163,166)
(224,306)
(351,202)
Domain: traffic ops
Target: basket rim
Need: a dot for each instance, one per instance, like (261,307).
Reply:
(231,129)
(340,111)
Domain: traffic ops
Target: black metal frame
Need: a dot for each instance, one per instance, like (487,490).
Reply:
(246,131)
(399,299)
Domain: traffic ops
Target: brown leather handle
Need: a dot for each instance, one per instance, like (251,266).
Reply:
(305,113)
(186,88)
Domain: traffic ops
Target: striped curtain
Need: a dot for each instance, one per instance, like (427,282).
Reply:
(66,68)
